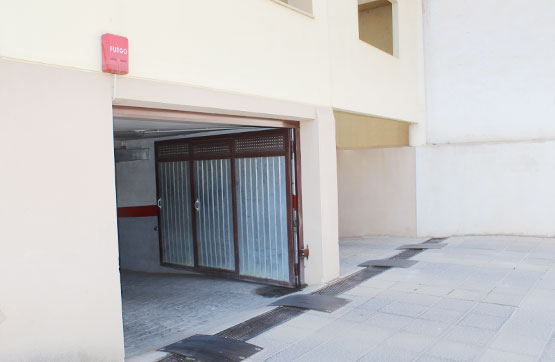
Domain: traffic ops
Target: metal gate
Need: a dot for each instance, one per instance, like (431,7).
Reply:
(226,205)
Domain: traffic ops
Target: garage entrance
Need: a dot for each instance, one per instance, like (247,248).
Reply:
(227,205)
(207,211)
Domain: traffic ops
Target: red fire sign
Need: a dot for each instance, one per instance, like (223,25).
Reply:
(115,54)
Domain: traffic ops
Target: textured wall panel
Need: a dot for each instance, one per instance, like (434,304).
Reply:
(214,214)
(262,217)
(175,214)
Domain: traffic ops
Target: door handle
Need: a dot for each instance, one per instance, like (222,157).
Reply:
(159,203)
(197,205)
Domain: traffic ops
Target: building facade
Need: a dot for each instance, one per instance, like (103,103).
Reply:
(428,118)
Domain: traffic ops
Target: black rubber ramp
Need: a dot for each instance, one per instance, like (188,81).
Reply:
(322,303)
(212,348)
(422,246)
(389,263)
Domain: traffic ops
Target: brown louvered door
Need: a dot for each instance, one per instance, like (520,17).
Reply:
(240,207)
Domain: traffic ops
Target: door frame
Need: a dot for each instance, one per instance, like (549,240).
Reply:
(292,146)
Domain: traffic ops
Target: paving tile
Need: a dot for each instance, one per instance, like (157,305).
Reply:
(358,315)
(510,342)
(420,299)
(284,334)
(378,283)
(292,351)
(389,354)
(404,309)
(443,315)
(309,321)
(498,297)
(494,355)
(426,327)
(429,358)
(494,309)
(470,335)
(467,294)
(376,303)
(384,320)
(439,291)
(409,341)
(455,304)
(366,292)
(549,351)
(483,321)
(455,351)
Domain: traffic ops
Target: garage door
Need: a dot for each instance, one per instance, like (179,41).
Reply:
(226,205)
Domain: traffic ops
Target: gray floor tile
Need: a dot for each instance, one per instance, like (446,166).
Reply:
(455,304)
(494,309)
(455,351)
(470,335)
(426,327)
(510,342)
(494,355)
(443,315)
(389,320)
(404,309)
(390,354)
(483,321)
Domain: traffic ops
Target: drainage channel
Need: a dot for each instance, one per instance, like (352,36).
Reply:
(266,321)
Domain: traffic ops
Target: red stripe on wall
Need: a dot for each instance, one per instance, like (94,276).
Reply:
(138,211)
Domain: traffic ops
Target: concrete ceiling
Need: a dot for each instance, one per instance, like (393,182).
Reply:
(130,128)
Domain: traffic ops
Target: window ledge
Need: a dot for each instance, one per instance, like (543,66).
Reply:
(294,8)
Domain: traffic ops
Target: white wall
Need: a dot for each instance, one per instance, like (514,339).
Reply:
(377,191)
(504,188)
(489,79)
(489,70)
(60,292)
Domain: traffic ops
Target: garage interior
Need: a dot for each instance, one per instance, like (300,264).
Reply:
(207,223)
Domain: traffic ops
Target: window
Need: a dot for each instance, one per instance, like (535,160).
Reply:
(376,24)
(304,6)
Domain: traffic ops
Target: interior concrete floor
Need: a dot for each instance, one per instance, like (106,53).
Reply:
(159,309)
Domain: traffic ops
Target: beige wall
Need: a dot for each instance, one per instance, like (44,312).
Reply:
(375,26)
(358,131)
(59,277)
(366,80)
(377,191)
(254,47)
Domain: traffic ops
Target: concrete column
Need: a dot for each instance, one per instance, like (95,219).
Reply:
(319,184)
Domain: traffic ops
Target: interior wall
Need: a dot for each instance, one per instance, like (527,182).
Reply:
(60,296)
(375,26)
(138,236)
(497,188)
(377,191)
(358,131)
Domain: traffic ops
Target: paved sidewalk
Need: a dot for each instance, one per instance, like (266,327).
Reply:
(478,299)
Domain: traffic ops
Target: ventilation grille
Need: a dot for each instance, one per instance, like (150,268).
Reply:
(260,144)
(173,150)
(212,148)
